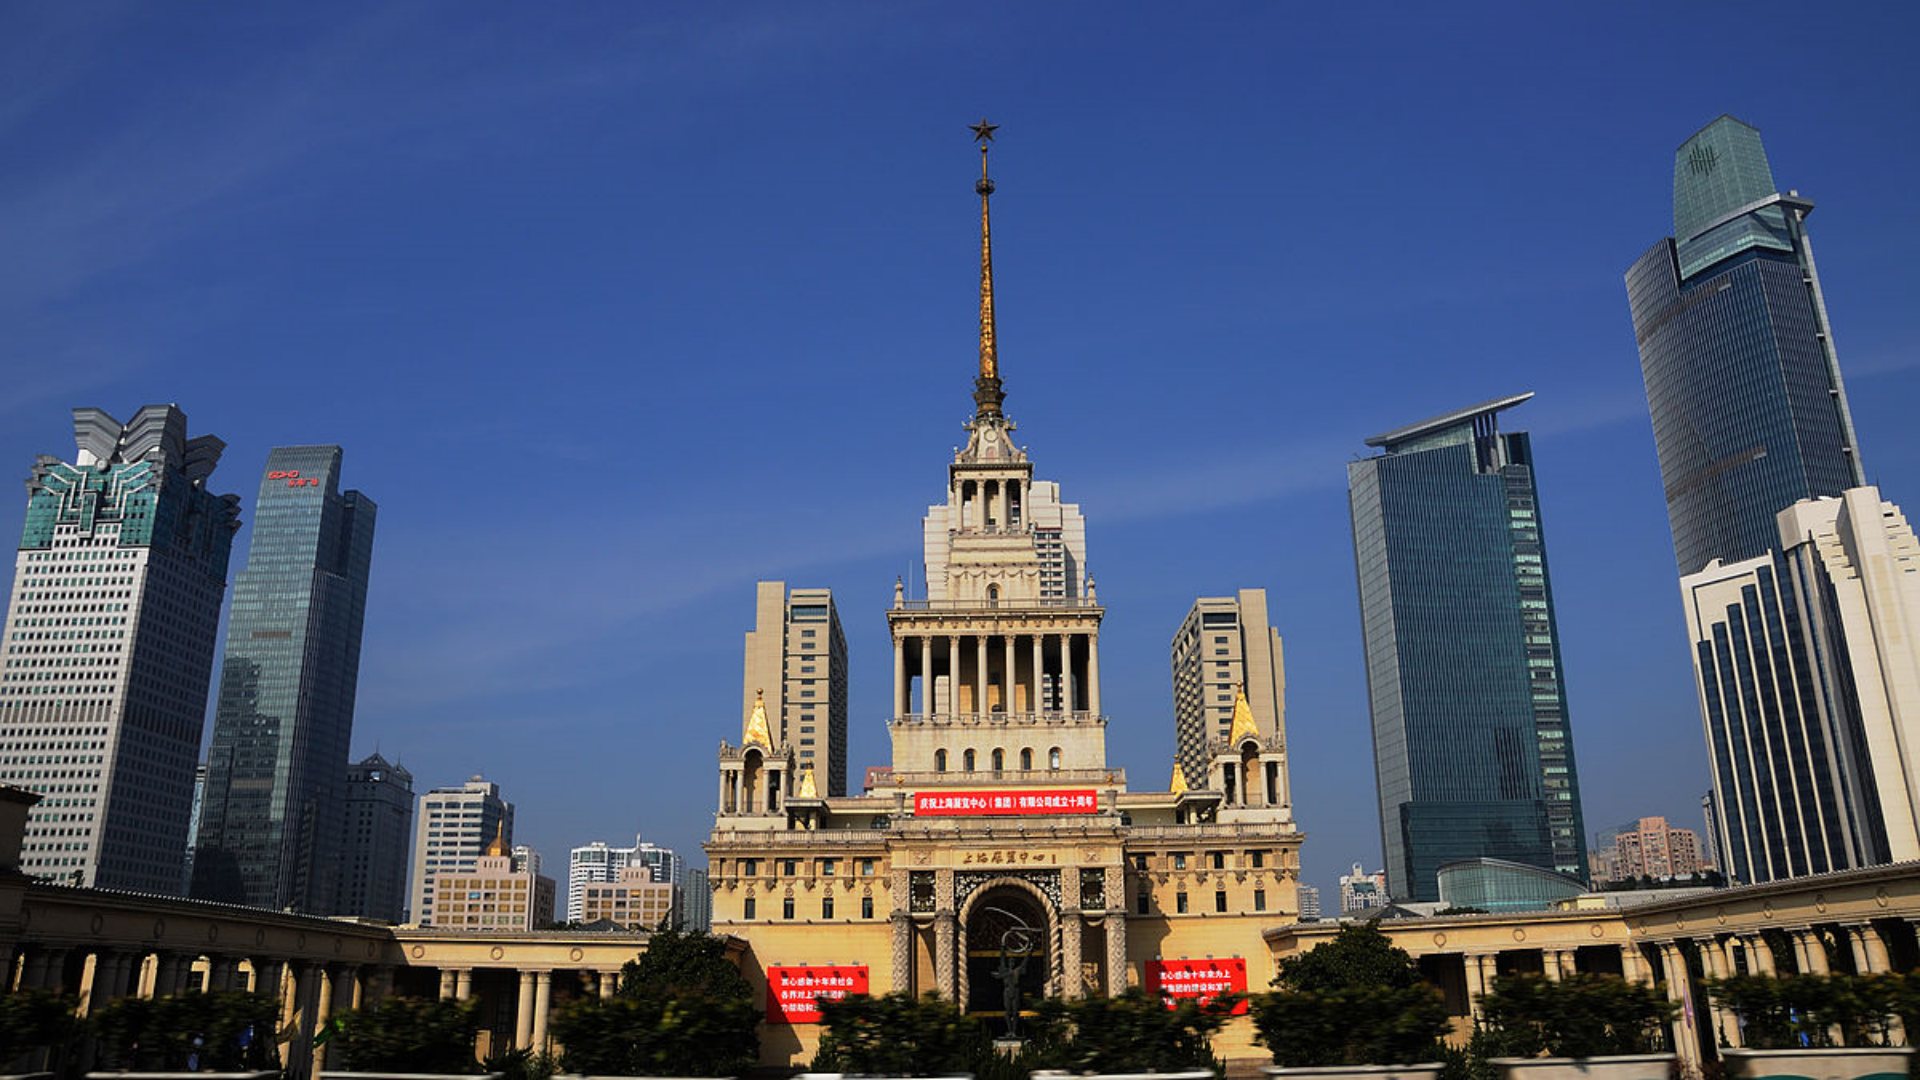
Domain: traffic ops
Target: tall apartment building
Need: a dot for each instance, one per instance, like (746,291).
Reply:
(1749,417)
(1650,847)
(1223,645)
(796,656)
(598,863)
(696,906)
(1309,903)
(109,648)
(373,880)
(1363,892)
(275,809)
(1472,747)
(633,899)
(454,827)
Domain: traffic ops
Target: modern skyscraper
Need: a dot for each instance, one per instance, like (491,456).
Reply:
(797,656)
(275,808)
(1223,645)
(1749,417)
(696,910)
(1749,414)
(109,647)
(454,827)
(1472,748)
(373,883)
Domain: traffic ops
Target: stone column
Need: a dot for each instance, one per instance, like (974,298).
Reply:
(100,991)
(927,703)
(1685,1042)
(901,706)
(943,960)
(523,1013)
(1039,674)
(542,1004)
(1857,943)
(902,953)
(321,1015)
(1093,674)
(1550,964)
(1877,959)
(1072,981)
(463,983)
(1007,681)
(953,675)
(1760,955)
(980,675)
(1476,982)
(447,984)
(1069,700)
(1116,890)
(33,972)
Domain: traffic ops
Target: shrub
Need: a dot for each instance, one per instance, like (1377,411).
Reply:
(899,1035)
(409,1035)
(1808,1010)
(684,962)
(32,1020)
(224,1031)
(1579,1016)
(1360,955)
(1132,1032)
(659,1034)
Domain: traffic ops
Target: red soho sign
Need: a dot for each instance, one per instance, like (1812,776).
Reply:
(794,993)
(1004,803)
(293,478)
(1202,980)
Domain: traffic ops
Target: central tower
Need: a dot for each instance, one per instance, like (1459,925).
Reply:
(997,671)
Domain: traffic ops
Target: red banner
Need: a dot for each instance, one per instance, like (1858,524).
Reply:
(1005,803)
(794,993)
(1175,980)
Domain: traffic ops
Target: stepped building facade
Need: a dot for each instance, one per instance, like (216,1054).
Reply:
(1001,839)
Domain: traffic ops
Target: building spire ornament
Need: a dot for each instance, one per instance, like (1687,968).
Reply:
(756,732)
(1178,785)
(1244,725)
(987,395)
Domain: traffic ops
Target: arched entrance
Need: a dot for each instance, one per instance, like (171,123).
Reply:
(1008,933)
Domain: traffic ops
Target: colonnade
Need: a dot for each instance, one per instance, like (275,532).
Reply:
(533,996)
(989,505)
(996,673)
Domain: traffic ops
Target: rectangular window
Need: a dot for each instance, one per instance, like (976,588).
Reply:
(1140,904)
(1179,860)
(866,867)
(826,907)
(866,907)
(1219,860)
(1259,858)
(827,867)
(1180,902)
(1220,901)
(786,908)
(746,910)
(1259,899)
(749,867)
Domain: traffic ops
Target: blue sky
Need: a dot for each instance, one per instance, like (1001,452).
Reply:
(618,308)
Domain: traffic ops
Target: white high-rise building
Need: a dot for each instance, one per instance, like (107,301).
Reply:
(1225,643)
(453,829)
(598,863)
(796,662)
(1309,903)
(1361,891)
(108,648)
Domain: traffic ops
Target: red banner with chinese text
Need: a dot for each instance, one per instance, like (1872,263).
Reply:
(1175,980)
(1005,803)
(794,993)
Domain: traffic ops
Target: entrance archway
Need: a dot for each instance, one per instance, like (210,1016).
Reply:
(1007,931)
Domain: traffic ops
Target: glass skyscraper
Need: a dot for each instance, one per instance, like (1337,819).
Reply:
(1472,750)
(1749,414)
(274,814)
(1749,417)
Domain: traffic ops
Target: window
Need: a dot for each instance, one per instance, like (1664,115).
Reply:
(786,908)
(749,868)
(1053,758)
(866,907)
(999,760)
(827,867)
(939,761)
(1259,858)
(1219,860)
(966,761)
(866,867)
(1140,863)
(1140,904)
(826,906)
(746,910)
(1179,860)
(1180,902)
(1220,901)
(1259,899)
(1026,759)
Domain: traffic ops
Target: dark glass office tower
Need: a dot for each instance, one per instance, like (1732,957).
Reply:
(271,827)
(1471,745)
(1749,417)
(1749,414)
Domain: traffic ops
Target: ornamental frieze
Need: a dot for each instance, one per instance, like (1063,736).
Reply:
(1047,881)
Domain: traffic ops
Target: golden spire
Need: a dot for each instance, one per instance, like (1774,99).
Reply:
(1178,786)
(987,394)
(807,788)
(498,845)
(757,723)
(1243,723)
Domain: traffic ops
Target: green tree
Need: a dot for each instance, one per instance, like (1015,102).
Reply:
(1130,1032)
(899,1035)
(683,1009)
(33,1020)
(684,961)
(1356,1000)
(226,1031)
(1360,955)
(1579,1016)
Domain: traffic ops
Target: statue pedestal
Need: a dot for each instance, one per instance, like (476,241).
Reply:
(1008,1048)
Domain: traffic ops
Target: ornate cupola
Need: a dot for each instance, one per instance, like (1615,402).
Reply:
(1249,770)
(756,777)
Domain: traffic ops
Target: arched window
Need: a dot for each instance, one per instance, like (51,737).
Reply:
(1053,758)
(999,759)
(939,761)
(1026,759)
(966,760)
(993,595)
